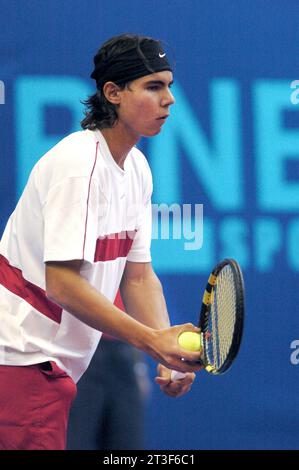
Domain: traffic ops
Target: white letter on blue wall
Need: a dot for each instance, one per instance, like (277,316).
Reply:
(2,92)
(275,145)
(33,93)
(217,165)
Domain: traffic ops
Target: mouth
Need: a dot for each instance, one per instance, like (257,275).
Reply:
(163,117)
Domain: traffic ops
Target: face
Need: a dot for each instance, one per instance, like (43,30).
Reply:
(145,104)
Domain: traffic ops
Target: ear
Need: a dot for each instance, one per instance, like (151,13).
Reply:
(112,92)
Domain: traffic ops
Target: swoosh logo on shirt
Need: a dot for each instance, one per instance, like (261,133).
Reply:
(162,55)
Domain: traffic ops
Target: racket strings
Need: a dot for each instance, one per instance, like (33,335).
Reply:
(220,324)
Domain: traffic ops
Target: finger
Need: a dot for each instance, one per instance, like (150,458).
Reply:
(169,394)
(162,380)
(183,392)
(190,327)
(170,390)
(177,392)
(176,387)
(190,356)
(193,357)
(163,371)
(186,366)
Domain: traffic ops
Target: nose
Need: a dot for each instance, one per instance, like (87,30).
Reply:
(168,99)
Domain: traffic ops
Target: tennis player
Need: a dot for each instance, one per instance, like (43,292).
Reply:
(80,231)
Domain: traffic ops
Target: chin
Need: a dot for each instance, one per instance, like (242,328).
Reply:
(151,133)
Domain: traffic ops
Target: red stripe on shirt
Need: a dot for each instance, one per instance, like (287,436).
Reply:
(114,246)
(12,279)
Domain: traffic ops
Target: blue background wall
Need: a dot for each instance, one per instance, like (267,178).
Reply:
(235,61)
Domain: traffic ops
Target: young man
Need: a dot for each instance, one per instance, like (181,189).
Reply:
(80,231)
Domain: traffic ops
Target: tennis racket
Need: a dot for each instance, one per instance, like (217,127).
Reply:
(221,318)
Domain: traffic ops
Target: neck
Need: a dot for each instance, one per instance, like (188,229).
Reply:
(119,142)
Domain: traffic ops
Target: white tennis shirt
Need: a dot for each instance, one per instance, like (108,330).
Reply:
(78,204)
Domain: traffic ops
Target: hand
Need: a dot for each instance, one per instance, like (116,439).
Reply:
(163,346)
(173,388)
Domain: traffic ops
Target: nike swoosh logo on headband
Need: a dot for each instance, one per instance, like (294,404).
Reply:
(162,55)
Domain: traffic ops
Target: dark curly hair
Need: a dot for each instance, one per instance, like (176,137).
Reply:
(99,112)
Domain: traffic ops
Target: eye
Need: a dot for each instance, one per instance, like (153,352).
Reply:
(154,87)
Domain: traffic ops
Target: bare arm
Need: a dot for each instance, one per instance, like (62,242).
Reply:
(143,297)
(66,287)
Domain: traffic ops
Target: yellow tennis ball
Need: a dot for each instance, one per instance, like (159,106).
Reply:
(190,340)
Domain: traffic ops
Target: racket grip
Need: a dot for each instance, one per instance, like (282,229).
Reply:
(176,375)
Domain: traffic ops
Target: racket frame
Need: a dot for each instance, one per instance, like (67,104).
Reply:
(207,301)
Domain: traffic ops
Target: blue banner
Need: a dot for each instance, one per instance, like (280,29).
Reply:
(231,144)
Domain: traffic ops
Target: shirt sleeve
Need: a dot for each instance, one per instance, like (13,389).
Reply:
(71,215)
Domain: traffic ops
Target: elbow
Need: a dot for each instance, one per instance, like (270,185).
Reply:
(52,294)
(54,289)
(57,295)
(62,281)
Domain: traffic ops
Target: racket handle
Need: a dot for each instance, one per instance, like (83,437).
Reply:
(176,375)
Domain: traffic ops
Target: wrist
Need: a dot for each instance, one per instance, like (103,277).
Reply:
(143,338)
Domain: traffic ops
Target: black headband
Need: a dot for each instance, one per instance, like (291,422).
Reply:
(140,60)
